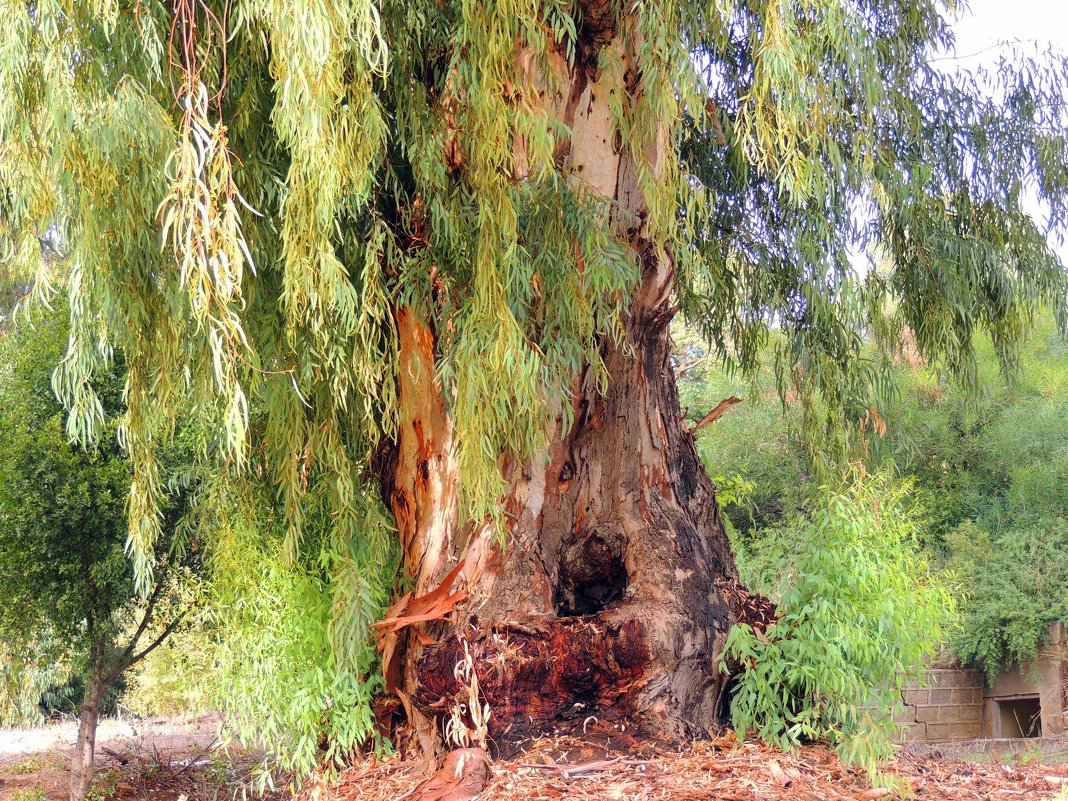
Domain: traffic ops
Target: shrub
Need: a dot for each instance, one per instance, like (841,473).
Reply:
(1016,580)
(860,611)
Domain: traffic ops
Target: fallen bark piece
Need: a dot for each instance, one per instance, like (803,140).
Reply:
(872,794)
(701,771)
(461,778)
(779,773)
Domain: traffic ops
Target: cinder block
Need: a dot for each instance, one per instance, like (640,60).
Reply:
(944,678)
(964,731)
(905,714)
(913,733)
(941,695)
(927,714)
(938,732)
(916,697)
(950,713)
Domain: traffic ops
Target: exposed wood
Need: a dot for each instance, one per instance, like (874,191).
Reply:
(541,673)
(421,492)
(461,778)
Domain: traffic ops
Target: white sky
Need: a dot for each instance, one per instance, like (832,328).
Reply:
(984,23)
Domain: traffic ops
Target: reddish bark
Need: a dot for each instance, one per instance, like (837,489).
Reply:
(540,674)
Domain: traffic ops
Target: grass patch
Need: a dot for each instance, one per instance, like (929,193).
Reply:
(27,766)
(35,793)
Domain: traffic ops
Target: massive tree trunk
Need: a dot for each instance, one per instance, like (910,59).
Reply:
(614,593)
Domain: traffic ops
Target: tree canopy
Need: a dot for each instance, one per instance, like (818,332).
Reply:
(63,568)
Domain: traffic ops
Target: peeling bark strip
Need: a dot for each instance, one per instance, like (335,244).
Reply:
(422,496)
(716,413)
(461,778)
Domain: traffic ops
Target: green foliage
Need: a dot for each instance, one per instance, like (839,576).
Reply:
(105,785)
(35,793)
(68,602)
(24,678)
(860,612)
(288,670)
(25,767)
(988,473)
(1017,585)
(63,572)
(992,469)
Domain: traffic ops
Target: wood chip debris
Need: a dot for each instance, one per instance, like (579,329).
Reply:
(568,769)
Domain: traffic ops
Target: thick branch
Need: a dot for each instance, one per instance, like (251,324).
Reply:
(146,619)
(133,660)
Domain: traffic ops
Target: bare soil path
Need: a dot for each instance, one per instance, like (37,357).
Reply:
(131,754)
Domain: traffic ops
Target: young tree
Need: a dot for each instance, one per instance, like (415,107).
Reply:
(66,587)
(427,253)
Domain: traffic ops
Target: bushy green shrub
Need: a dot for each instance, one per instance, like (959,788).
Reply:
(860,611)
(1016,580)
(988,467)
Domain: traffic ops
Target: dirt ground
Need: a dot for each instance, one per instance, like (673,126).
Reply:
(159,759)
(168,760)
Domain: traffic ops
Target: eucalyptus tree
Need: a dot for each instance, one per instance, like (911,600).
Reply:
(425,254)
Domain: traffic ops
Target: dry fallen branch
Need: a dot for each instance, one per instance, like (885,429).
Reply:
(716,413)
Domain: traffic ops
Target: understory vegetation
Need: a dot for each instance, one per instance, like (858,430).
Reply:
(953,543)
(859,614)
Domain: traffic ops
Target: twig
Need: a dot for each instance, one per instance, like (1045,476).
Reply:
(194,759)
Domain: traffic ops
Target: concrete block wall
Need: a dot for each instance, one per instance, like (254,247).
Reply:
(947,706)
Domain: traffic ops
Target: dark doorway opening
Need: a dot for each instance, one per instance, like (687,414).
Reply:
(1020,717)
